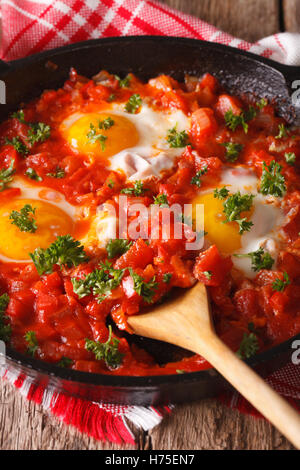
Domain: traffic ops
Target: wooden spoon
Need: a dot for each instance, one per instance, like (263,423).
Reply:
(186,322)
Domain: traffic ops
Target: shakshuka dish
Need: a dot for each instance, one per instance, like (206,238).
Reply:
(90,175)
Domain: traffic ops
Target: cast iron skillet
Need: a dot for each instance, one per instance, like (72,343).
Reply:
(241,73)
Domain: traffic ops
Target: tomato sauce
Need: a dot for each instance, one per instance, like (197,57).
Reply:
(47,303)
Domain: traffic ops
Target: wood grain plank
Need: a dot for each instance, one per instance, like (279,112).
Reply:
(209,425)
(247,19)
(291,9)
(25,426)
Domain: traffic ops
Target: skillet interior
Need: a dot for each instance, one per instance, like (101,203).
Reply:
(240,73)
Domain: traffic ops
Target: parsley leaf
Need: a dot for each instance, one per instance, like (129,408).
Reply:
(260,259)
(19,115)
(197,178)
(232,151)
(32,174)
(117,247)
(145,289)
(111,98)
(108,352)
(262,103)
(290,157)
(208,274)
(133,104)
(161,200)
(99,282)
(5,329)
(272,181)
(248,347)
(65,362)
(137,190)
(234,206)
(6,175)
(32,342)
(177,139)
(279,285)
(222,193)
(234,120)
(123,82)
(282,132)
(24,219)
(38,132)
(59,173)
(106,123)
(65,251)
(18,145)
(167,277)
(93,137)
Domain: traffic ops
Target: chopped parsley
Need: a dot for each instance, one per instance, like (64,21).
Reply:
(279,285)
(19,115)
(262,103)
(282,132)
(272,181)
(106,123)
(167,277)
(232,151)
(24,219)
(260,259)
(161,200)
(248,347)
(234,206)
(137,190)
(111,98)
(38,132)
(5,329)
(117,247)
(31,340)
(235,120)
(107,352)
(58,173)
(123,82)
(133,104)
(222,193)
(208,275)
(65,251)
(145,289)
(65,362)
(177,139)
(93,137)
(18,145)
(6,175)
(197,178)
(32,174)
(99,282)
(290,158)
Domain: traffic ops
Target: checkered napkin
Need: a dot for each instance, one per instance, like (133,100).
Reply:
(29,26)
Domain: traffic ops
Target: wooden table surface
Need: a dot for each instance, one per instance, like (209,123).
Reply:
(206,424)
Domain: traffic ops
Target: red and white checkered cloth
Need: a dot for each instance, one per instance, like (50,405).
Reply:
(29,26)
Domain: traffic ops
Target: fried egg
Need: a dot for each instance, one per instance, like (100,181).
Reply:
(266,215)
(135,144)
(54,216)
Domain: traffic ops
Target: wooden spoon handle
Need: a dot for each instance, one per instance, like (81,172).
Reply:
(283,416)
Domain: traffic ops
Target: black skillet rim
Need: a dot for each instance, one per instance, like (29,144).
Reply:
(124,381)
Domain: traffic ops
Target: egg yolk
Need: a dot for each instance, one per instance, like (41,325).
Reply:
(224,235)
(85,135)
(51,222)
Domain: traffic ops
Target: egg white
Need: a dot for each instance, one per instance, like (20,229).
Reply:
(152,154)
(267,218)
